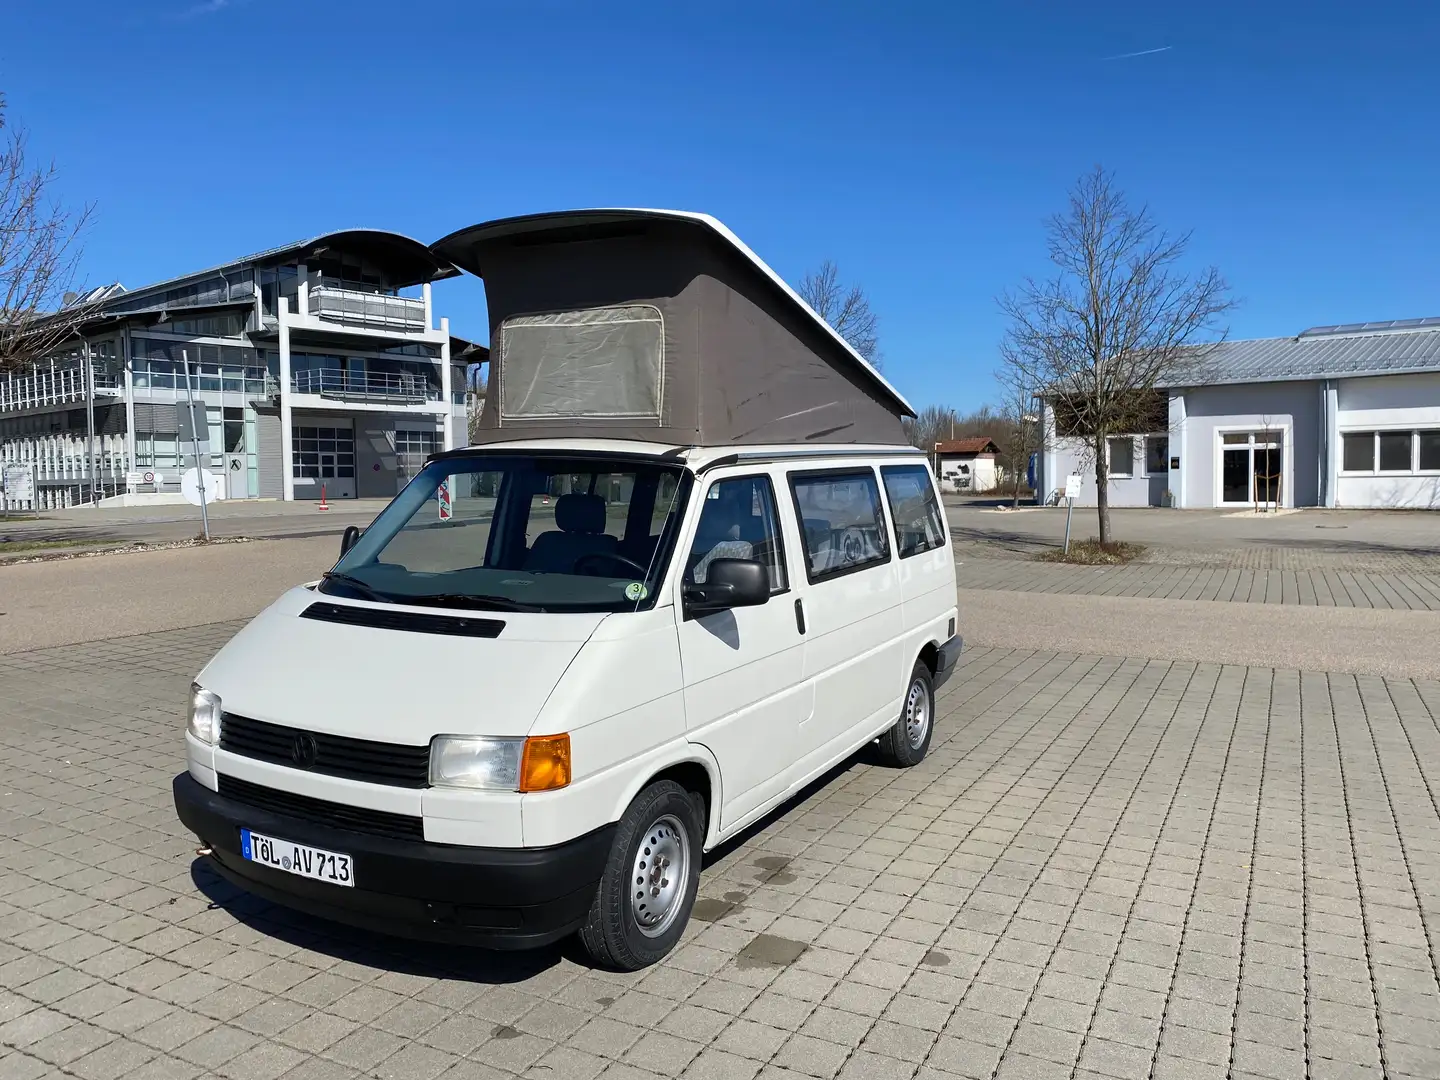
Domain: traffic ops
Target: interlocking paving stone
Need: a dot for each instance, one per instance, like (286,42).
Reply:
(1107,867)
(1405,589)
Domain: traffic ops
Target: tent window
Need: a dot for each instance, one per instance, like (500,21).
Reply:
(600,363)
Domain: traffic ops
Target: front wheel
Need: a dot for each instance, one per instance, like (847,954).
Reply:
(648,888)
(906,743)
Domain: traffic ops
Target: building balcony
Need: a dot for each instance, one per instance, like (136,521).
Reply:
(365,386)
(376,311)
(56,386)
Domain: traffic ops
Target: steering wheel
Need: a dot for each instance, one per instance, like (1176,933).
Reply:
(608,556)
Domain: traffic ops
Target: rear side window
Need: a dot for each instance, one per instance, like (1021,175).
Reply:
(840,520)
(919,525)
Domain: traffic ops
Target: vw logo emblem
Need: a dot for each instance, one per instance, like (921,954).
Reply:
(303,751)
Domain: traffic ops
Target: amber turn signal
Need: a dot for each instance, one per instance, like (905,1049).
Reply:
(545,763)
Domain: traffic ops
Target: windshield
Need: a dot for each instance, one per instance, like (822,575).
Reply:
(521,532)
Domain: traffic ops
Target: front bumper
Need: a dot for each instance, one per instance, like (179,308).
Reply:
(947,658)
(499,898)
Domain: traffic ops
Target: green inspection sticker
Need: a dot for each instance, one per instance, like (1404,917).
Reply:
(636,590)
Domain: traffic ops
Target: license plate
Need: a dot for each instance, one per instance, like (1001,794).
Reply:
(301,859)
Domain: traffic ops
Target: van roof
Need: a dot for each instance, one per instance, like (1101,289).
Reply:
(696,457)
(659,325)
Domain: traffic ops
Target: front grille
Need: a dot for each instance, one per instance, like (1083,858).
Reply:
(320,812)
(334,755)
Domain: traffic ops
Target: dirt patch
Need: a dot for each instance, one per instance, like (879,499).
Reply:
(1093,553)
(57,550)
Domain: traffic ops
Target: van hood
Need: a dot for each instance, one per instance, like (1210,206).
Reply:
(396,686)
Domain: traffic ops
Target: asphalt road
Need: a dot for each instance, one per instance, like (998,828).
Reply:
(113,596)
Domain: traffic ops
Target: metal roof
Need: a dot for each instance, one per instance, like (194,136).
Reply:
(978,444)
(1320,353)
(410,260)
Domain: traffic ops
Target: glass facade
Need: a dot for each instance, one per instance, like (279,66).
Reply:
(160,365)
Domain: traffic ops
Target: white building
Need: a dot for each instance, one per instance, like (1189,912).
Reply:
(966,465)
(1339,416)
(320,365)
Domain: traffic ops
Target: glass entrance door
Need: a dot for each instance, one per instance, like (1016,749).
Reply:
(1252,468)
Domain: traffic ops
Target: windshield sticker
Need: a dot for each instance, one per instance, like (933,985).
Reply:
(636,591)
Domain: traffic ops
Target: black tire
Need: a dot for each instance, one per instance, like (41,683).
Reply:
(613,933)
(907,742)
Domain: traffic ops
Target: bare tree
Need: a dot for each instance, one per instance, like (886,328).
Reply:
(847,310)
(39,254)
(935,423)
(475,400)
(1118,320)
(1017,428)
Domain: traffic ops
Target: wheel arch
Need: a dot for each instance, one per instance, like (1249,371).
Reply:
(930,657)
(694,768)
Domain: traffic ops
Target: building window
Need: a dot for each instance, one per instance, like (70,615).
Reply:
(1157,454)
(1395,447)
(1121,450)
(1429,450)
(1357,451)
(1390,453)
(323,453)
(418,443)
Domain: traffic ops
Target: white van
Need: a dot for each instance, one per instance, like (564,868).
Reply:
(556,670)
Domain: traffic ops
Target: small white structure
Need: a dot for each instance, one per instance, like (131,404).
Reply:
(966,465)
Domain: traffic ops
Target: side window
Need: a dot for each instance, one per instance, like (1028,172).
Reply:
(738,521)
(919,525)
(841,521)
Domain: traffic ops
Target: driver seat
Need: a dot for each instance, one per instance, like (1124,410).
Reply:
(581,532)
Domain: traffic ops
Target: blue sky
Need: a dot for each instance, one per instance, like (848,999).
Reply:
(919,145)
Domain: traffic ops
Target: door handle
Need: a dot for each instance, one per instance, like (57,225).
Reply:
(800,616)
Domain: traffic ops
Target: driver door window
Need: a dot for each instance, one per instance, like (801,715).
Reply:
(738,521)
(841,522)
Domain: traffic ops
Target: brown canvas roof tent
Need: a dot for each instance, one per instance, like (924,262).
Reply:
(661,326)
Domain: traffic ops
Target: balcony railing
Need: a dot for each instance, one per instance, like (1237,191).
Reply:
(364,386)
(355,307)
(54,386)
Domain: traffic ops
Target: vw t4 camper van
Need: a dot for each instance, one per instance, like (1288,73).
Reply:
(689,564)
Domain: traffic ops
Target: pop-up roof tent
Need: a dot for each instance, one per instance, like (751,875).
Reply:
(661,326)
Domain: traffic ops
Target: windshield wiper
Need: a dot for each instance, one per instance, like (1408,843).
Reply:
(367,591)
(469,600)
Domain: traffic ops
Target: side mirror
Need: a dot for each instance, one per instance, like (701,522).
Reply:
(348,538)
(729,583)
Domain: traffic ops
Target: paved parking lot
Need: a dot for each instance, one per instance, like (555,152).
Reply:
(1107,867)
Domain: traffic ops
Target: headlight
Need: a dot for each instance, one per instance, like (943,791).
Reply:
(462,761)
(204,721)
(496,764)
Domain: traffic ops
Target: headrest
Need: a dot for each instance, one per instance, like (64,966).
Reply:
(580,513)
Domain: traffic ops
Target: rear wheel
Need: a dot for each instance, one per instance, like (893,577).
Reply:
(907,742)
(645,895)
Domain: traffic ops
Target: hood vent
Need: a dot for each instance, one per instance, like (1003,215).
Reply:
(411,621)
